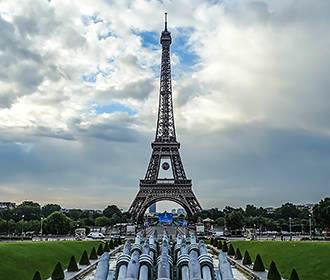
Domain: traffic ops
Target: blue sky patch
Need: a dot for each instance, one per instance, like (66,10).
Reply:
(114,107)
(149,39)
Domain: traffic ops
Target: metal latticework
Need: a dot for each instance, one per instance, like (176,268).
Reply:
(152,187)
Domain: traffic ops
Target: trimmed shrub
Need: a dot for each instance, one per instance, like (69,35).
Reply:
(258,264)
(294,275)
(72,267)
(120,242)
(115,243)
(224,247)
(219,245)
(37,276)
(211,241)
(247,258)
(84,259)
(111,244)
(106,247)
(58,273)
(100,249)
(273,273)
(93,255)
(231,250)
(238,255)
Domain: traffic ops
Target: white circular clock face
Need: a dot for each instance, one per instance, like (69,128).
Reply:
(165,166)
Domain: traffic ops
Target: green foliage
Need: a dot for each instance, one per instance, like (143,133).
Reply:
(219,245)
(235,219)
(225,247)
(84,259)
(273,273)
(58,273)
(72,267)
(111,244)
(238,255)
(231,250)
(57,223)
(120,242)
(220,221)
(294,275)
(102,221)
(93,255)
(49,209)
(321,212)
(100,250)
(36,276)
(115,243)
(111,210)
(258,264)
(106,247)
(247,258)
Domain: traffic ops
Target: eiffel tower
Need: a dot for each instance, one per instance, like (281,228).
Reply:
(165,178)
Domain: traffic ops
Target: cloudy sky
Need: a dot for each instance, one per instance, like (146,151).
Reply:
(79,84)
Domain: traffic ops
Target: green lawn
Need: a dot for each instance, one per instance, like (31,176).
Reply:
(310,259)
(20,260)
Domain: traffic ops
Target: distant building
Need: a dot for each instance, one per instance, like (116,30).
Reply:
(152,208)
(307,206)
(7,205)
(270,210)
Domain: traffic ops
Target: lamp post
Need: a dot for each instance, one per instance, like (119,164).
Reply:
(290,228)
(41,220)
(310,226)
(22,226)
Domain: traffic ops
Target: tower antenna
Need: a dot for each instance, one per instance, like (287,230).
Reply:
(165,21)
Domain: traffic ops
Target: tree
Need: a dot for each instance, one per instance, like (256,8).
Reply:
(231,250)
(36,276)
(102,221)
(235,219)
(72,267)
(100,250)
(238,255)
(258,264)
(111,244)
(49,209)
(74,214)
(286,211)
(57,223)
(84,259)
(93,255)
(321,213)
(247,258)
(220,221)
(294,275)
(58,273)
(106,247)
(273,273)
(224,247)
(28,210)
(110,210)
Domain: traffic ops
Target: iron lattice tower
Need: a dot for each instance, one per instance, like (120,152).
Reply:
(165,178)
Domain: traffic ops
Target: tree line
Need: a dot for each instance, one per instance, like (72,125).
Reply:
(29,215)
(278,220)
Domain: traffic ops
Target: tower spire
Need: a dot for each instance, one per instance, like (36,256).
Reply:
(165,125)
(165,21)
